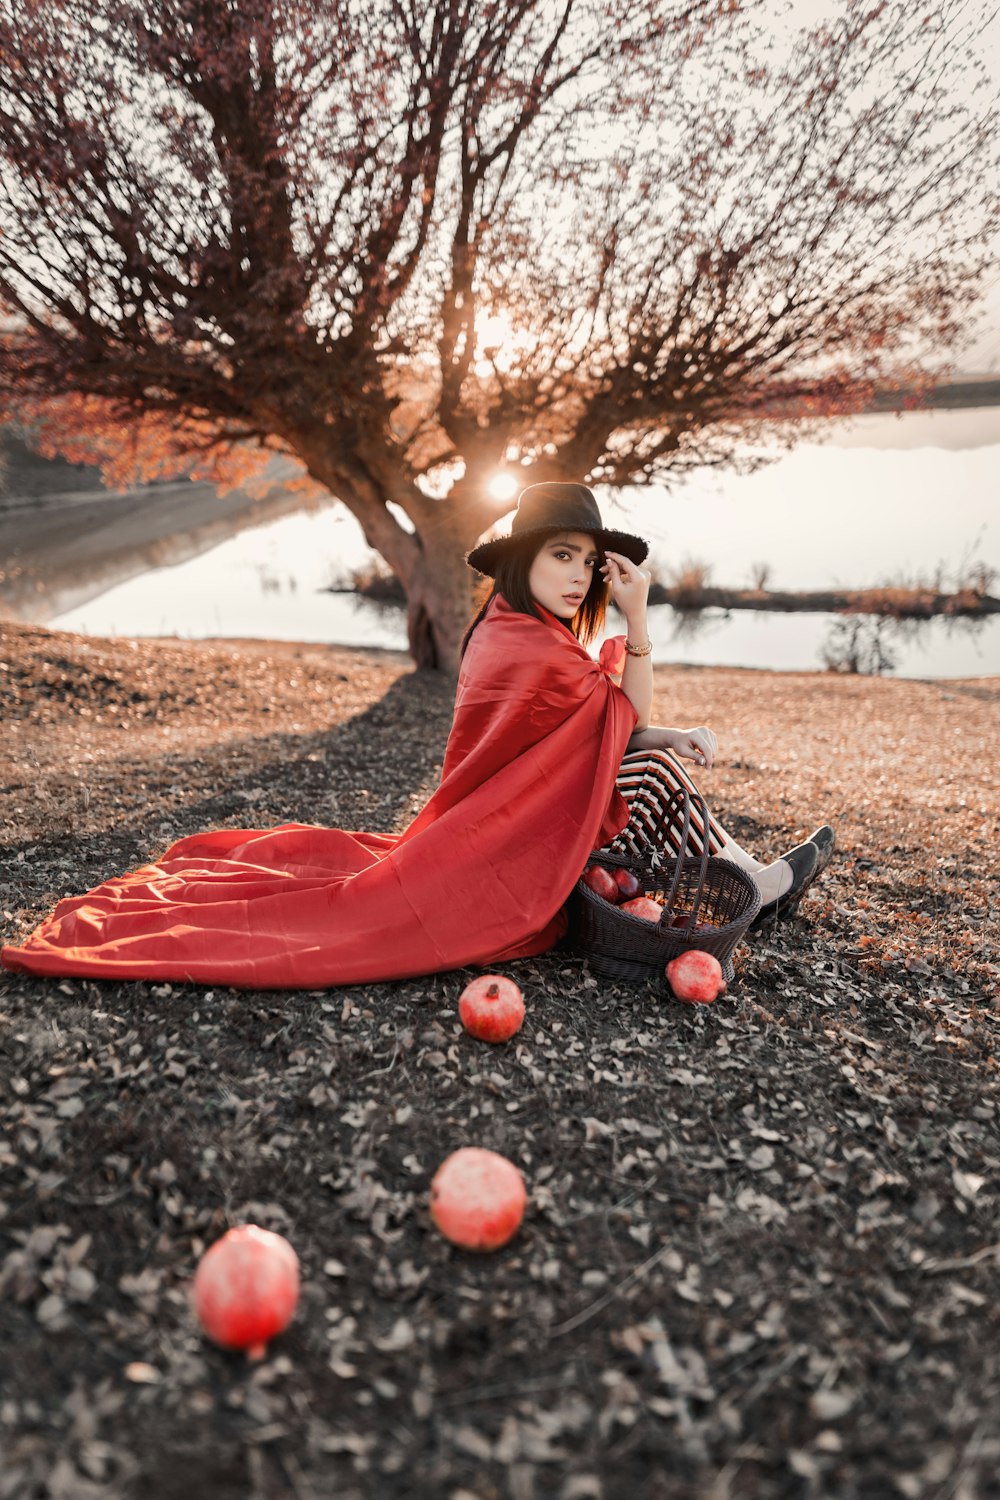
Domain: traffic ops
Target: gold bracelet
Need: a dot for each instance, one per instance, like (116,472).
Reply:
(638,650)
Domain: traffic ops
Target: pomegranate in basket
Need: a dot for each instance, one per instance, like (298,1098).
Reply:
(602,883)
(642,906)
(630,885)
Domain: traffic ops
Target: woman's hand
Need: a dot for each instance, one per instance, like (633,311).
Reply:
(629,585)
(699,745)
(690,744)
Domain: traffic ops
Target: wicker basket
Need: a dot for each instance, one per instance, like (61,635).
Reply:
(712,894)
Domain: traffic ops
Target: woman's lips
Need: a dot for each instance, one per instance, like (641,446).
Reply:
(573,598)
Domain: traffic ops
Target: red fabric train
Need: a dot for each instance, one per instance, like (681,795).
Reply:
(480,876)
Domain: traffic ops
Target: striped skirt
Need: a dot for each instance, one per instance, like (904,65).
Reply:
(646,779)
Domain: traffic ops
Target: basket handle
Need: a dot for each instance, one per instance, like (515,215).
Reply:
(679,801)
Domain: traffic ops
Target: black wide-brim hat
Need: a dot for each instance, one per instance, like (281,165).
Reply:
(543,509)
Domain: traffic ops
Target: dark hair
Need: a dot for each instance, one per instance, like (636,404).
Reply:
(511,581)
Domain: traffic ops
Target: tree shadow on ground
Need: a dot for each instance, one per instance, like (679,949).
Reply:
(373,771)
(371,767)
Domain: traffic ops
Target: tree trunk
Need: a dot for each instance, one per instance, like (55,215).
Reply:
(429,561)
(439,597)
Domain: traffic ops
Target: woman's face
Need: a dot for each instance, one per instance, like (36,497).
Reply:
(562,572)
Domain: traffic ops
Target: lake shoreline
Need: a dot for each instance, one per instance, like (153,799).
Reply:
(821,525)
(385,590)
(15,635)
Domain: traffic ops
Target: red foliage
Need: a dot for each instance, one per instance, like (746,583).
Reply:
(141,447)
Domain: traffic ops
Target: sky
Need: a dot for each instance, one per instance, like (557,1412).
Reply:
(983,354)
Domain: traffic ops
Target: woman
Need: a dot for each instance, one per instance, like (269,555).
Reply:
(528,789)
(571,573)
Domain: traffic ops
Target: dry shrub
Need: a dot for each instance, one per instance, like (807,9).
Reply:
(378,583)
(688,582)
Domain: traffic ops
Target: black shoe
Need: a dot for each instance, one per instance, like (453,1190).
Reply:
(825,840)
(804,860)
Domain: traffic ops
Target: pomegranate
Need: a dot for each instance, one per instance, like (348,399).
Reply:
(642,906)
(477,1198)
(246,1288)
(491,1008)
(630,885)
(602,883)
(696,977)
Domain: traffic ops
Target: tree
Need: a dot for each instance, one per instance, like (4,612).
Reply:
(410,245)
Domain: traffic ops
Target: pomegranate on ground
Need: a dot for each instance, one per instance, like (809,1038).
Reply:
(491,1008)
(477,1198)
(696,977)
(246,1288)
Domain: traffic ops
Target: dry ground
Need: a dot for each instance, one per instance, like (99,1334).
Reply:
(762,1251)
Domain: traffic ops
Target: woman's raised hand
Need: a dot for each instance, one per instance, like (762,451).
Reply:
(629,584)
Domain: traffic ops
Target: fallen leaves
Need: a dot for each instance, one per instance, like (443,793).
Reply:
(763,1241)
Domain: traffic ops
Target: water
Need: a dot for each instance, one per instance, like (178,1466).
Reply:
(267,582)
(796,643)
(845,513)
(888,499)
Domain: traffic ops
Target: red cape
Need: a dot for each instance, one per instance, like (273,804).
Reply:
(480,876)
